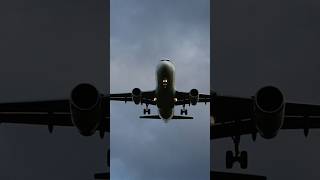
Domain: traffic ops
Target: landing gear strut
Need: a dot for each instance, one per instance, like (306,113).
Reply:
(146,110)
(184,110)
(242,157)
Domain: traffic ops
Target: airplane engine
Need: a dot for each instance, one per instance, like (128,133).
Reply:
(136,95)
(86,108)
(268,111)
(194,96)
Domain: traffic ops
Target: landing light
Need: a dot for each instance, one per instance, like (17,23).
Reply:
(154,99)
(175,99)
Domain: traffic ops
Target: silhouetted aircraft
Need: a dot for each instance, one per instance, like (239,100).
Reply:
(165,96)
(265,113)
(86,109)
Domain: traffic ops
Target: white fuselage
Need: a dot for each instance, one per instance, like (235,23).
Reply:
(165,90)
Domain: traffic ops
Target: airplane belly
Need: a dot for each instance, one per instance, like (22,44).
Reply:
(166,113)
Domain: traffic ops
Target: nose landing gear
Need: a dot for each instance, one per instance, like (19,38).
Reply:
(242,157)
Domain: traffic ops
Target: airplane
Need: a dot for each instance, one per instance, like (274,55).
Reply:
(88,110)
(165,96)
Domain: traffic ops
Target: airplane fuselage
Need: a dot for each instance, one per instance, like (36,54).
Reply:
(165,90)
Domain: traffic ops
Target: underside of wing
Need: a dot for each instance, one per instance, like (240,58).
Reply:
(193,97)
(55,112)
(302,116)
(59,113)
(237,116)
(137,96)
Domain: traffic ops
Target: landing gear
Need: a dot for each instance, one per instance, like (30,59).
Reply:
(146,110)
(184,110)
(242,157)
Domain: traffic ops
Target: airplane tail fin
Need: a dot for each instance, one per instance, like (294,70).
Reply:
(158,117)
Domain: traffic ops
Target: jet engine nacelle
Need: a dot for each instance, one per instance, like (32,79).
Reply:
(268,111)
(136,95)
(86,108)
(194,96)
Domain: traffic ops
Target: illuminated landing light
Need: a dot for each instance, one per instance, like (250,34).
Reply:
(175,99)
(155,99)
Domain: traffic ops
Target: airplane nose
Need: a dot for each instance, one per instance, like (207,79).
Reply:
(165,67)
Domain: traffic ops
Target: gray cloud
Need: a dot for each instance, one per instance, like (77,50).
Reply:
(142,32)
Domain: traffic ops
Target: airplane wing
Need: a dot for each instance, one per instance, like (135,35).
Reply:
(54,112)
(50,113)
(233,116)
(184,98)
(147,97)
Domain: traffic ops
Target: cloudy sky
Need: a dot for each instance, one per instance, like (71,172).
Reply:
(258,43)
(48,47)
(143,32)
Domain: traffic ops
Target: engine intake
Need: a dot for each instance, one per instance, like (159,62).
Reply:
(269,111)
(85,106)
(136,95)
(194,96)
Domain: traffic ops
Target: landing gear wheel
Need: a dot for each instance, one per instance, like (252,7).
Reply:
(183,111)
(229,159)
(148,111)
(244,160)
(241,157)
(144,111)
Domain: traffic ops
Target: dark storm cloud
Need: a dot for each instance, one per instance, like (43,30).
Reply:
(47,47)
(143,32)
(258,43)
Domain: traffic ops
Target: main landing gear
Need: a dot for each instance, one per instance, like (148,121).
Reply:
(146,110)
(184,110)
(242,157)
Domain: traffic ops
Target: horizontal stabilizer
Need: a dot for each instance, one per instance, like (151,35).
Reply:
(158,117)
(227,176)
(182,117)
(151,117)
